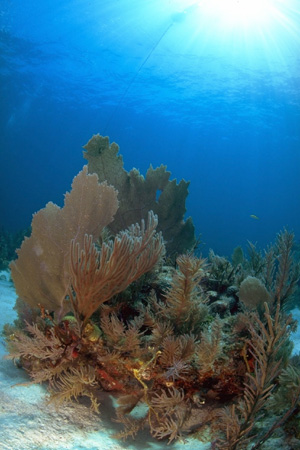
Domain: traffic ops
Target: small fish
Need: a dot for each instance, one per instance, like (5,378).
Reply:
(253,216)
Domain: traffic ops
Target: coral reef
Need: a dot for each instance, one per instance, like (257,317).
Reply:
(138,195)
(201,348)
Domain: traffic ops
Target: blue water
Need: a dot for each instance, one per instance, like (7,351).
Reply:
(216,99)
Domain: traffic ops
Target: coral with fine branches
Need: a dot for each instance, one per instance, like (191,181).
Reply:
(73,383)
(96,276)
(211,346)
(185,302)
(170,413)
(121,337)
(176,354)
(288,272)
(237,420)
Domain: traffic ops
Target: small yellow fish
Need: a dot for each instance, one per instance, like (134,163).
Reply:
(253,216)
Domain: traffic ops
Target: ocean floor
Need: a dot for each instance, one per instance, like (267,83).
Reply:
(27,422)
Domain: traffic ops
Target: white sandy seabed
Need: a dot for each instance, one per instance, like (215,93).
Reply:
(27,422)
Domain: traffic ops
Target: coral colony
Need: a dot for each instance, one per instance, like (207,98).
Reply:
(112,297)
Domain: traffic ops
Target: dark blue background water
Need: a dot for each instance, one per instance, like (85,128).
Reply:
(218,102)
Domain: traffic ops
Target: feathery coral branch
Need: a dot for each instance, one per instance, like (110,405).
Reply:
(237,421)
(98,275)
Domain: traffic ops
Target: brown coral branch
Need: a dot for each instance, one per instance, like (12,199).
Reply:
(288,271)
(237,421)
(96,276)
(184,305)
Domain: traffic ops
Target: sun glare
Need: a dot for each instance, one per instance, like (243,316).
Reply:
(238,13)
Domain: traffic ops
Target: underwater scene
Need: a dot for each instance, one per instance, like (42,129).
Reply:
(150,225)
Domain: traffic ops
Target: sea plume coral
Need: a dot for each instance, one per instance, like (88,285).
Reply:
(98,275)
(237,420)
(185,302)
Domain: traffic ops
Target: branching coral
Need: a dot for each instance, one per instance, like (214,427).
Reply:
(121,337)
(237,420)
(287,399)
(288,272)
(96,276)
(73,383)
(170,414)
(185,301)
(176,354)
(211,347)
